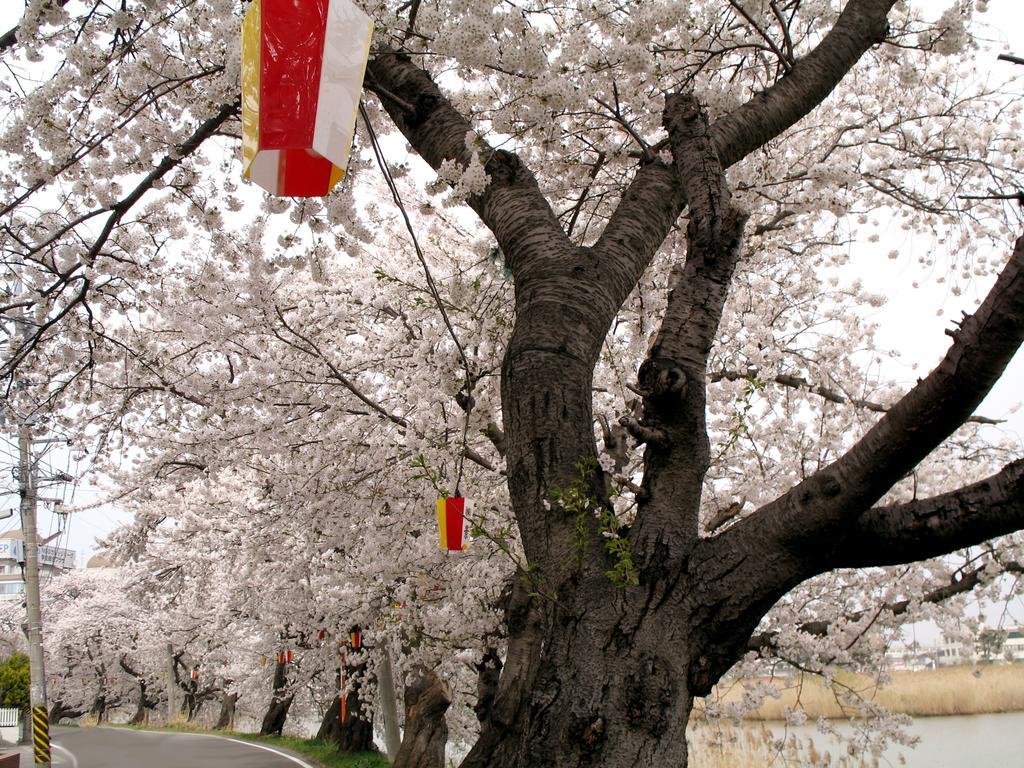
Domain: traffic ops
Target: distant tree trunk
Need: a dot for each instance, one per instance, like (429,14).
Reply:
(226,720)
(191,701)
(145,702)
(356,733)
(58,712)
(427,698)
(140,712)
(99,708)
(277,712)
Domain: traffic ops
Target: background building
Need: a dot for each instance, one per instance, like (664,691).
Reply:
(52,560)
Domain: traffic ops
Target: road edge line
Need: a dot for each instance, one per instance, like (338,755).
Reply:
(74,760)
(293,758)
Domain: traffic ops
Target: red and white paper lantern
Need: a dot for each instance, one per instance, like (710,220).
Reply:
(302,73)
(451,522)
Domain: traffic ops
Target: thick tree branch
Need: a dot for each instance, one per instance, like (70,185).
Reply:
(924,528)
(826,393)
(496,435)
(673,377)
(861,25)
(916,424)
(512,206)
(822,523)
(654,200)
(959,584)
(642,433)
(8,39)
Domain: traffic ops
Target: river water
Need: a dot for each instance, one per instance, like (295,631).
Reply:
(966,741)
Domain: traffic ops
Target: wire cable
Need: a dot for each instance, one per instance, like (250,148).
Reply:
(432,286)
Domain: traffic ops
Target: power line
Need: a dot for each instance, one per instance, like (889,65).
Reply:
(431,285)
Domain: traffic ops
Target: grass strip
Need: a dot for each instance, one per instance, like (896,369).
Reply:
(323,753)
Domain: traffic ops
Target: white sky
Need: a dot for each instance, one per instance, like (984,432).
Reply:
(909,322)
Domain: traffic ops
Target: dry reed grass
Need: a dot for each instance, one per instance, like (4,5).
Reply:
(948,691)
(725,746)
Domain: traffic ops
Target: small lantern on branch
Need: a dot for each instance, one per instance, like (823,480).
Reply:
(451,522)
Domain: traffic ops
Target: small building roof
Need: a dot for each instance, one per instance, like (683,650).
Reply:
(100,560)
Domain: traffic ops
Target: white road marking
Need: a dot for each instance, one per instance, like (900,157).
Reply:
(74,760)
(285,755)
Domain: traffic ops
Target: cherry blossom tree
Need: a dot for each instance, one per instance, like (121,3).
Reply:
(648,335)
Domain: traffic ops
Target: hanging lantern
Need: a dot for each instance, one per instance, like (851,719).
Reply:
(195,673)
(302,73)
(288,656)
(451,520)
(321,635)
(263,661)
(355,638)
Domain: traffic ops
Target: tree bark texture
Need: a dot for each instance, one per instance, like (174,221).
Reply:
(427,698)
(280,702)
(145,702)
(277,714)
(355,734)
(226,718)
(99,709)
(140,712)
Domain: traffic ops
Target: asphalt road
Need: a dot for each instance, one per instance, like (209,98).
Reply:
(124,748)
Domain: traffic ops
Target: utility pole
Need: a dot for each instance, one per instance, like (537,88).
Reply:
(37,670)
(386,687)
(34,618)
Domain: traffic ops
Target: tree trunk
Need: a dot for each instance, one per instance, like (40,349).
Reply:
(60,712)
(427,699)
(611,693)
(144,705)
(488,674)
(355,734)
(194,704)
(140,712)
(99,708)
(277,712)
(226,720)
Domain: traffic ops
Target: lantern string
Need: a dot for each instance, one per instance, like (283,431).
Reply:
(431,285)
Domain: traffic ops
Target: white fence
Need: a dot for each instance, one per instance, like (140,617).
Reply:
(10,724)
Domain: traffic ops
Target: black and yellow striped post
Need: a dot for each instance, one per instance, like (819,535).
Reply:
(41,735)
